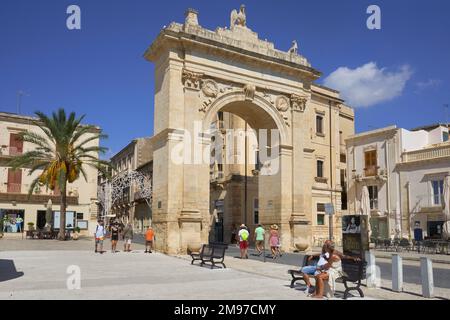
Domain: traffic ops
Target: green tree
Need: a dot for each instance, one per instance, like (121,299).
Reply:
(61,152)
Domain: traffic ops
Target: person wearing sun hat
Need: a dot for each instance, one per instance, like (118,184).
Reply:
(243,241)
(274,240)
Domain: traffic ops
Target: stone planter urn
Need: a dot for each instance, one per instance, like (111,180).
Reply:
(301,246)
(193,248)
(75,236)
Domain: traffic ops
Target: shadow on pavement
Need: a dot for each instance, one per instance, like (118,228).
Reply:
(8,270)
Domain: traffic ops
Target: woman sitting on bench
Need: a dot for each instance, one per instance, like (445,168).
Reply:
(328,272)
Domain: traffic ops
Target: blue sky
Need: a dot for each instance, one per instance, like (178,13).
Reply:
(99,70)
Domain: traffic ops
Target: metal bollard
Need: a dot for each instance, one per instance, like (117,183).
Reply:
(426,273)
(397,273)
(371,274)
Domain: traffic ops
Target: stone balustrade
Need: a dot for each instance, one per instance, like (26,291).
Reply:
(434,152)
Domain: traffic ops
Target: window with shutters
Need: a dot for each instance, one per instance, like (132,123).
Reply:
(14,180)
(370,161)
(15,144)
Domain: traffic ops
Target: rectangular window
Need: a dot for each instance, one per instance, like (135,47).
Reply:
(14,181)
(320,214)
(370,161)
(15,144)
(373,196)
(320,219)
(343,158)
(438,190)
(344,190)
(79,215)
(319,124)
(444,136)
(319,168)
(256,211)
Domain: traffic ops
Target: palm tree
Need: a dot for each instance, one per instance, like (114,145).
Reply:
(62,151)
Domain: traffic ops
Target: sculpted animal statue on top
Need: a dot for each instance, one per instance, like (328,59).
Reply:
(238,18)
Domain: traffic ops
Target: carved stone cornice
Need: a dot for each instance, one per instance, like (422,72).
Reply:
(191,79)
(298,102)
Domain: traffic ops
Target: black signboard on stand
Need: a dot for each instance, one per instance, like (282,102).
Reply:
(355,235)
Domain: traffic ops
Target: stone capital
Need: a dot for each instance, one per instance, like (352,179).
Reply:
(298,102)
(191,79)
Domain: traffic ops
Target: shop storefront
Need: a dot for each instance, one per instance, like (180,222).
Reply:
(12,221)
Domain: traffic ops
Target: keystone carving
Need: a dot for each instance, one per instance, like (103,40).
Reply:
(249,90)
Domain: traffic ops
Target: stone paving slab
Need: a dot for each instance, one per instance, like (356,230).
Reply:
(279,271)
(131,276)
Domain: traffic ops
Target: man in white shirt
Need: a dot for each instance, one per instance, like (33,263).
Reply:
(99,236)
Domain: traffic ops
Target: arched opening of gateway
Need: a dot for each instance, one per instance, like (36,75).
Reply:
(244,152)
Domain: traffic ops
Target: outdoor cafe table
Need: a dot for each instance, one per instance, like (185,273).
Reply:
(442,245)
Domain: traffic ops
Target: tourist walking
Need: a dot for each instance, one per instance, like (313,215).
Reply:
(127,237)
(259,238)
(243,241)
(114,237)
(274,241)
(149,238)
(99,235)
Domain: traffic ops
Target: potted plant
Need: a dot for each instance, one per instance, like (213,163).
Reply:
(76,233)
(30,226)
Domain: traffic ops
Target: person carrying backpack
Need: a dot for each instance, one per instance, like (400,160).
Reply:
(243,241)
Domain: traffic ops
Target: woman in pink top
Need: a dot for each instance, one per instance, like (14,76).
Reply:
(274,241)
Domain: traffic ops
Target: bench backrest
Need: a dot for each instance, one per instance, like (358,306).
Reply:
(354,270)
(207,250)
(218,251)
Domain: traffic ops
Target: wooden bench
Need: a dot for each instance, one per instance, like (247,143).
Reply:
(354,272)
(211,253)
(297,275)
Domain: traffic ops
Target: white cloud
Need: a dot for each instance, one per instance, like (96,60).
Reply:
(430,83)
(368,85)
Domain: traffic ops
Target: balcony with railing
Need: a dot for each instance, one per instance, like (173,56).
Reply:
(10,151)
(13,187)
(371,171)
(435,152)
(428,203)
(15,192)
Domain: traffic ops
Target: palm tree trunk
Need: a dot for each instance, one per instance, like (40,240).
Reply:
(62,221)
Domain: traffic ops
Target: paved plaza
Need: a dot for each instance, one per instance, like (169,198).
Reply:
(37,269)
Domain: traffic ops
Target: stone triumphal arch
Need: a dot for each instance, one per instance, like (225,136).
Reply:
(200,74)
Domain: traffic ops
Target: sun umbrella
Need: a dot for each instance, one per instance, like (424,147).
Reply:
(446,198)
(49,214)
(365,207)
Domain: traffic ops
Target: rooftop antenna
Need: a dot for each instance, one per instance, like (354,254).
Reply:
(20,94)
(446,114)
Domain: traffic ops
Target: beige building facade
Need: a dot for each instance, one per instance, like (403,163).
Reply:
(14,185)
(137,156)
(404,171)
(202,75)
